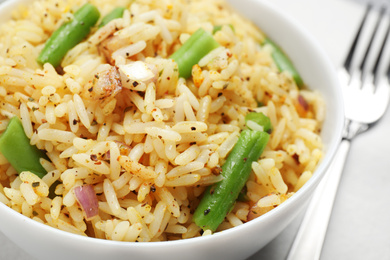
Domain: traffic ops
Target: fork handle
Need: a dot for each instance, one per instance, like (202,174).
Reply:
(311,234)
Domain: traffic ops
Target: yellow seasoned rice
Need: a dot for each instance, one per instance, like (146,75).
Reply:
(150,149)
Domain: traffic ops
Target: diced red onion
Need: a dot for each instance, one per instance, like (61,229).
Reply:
(302,101)
(87,198)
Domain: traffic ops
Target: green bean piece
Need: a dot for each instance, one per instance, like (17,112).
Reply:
(219,199)
(260,119)
(194,49)
(114,14)
(217,28)
(16,148)
(259,103)
(283,62)
(242,196)
(69,35)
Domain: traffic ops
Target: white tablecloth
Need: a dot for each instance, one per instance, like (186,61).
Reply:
(360,224)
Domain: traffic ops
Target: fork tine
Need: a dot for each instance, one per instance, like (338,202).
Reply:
(379,59)
(363,75)
(367,74)
(363,64)
(348,61)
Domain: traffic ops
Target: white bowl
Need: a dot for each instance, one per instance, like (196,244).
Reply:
(45,242)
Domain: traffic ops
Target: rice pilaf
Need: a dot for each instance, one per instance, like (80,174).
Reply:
(148,148)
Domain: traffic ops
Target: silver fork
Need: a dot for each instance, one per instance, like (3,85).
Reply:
(366,92)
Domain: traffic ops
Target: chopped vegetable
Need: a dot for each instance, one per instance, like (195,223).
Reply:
(283,62)
(88,201)
(110,45)
(260,119)
(302,101)
(52,189)
(219,199)
(219,27)
(106,84)
(193,50)
(302,106)
(114,14)
(69,35)
(136,73)
(16,148)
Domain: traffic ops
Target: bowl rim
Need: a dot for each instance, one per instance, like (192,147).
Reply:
(314,180)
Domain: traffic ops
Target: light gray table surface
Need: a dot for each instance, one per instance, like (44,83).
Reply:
(360,223)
